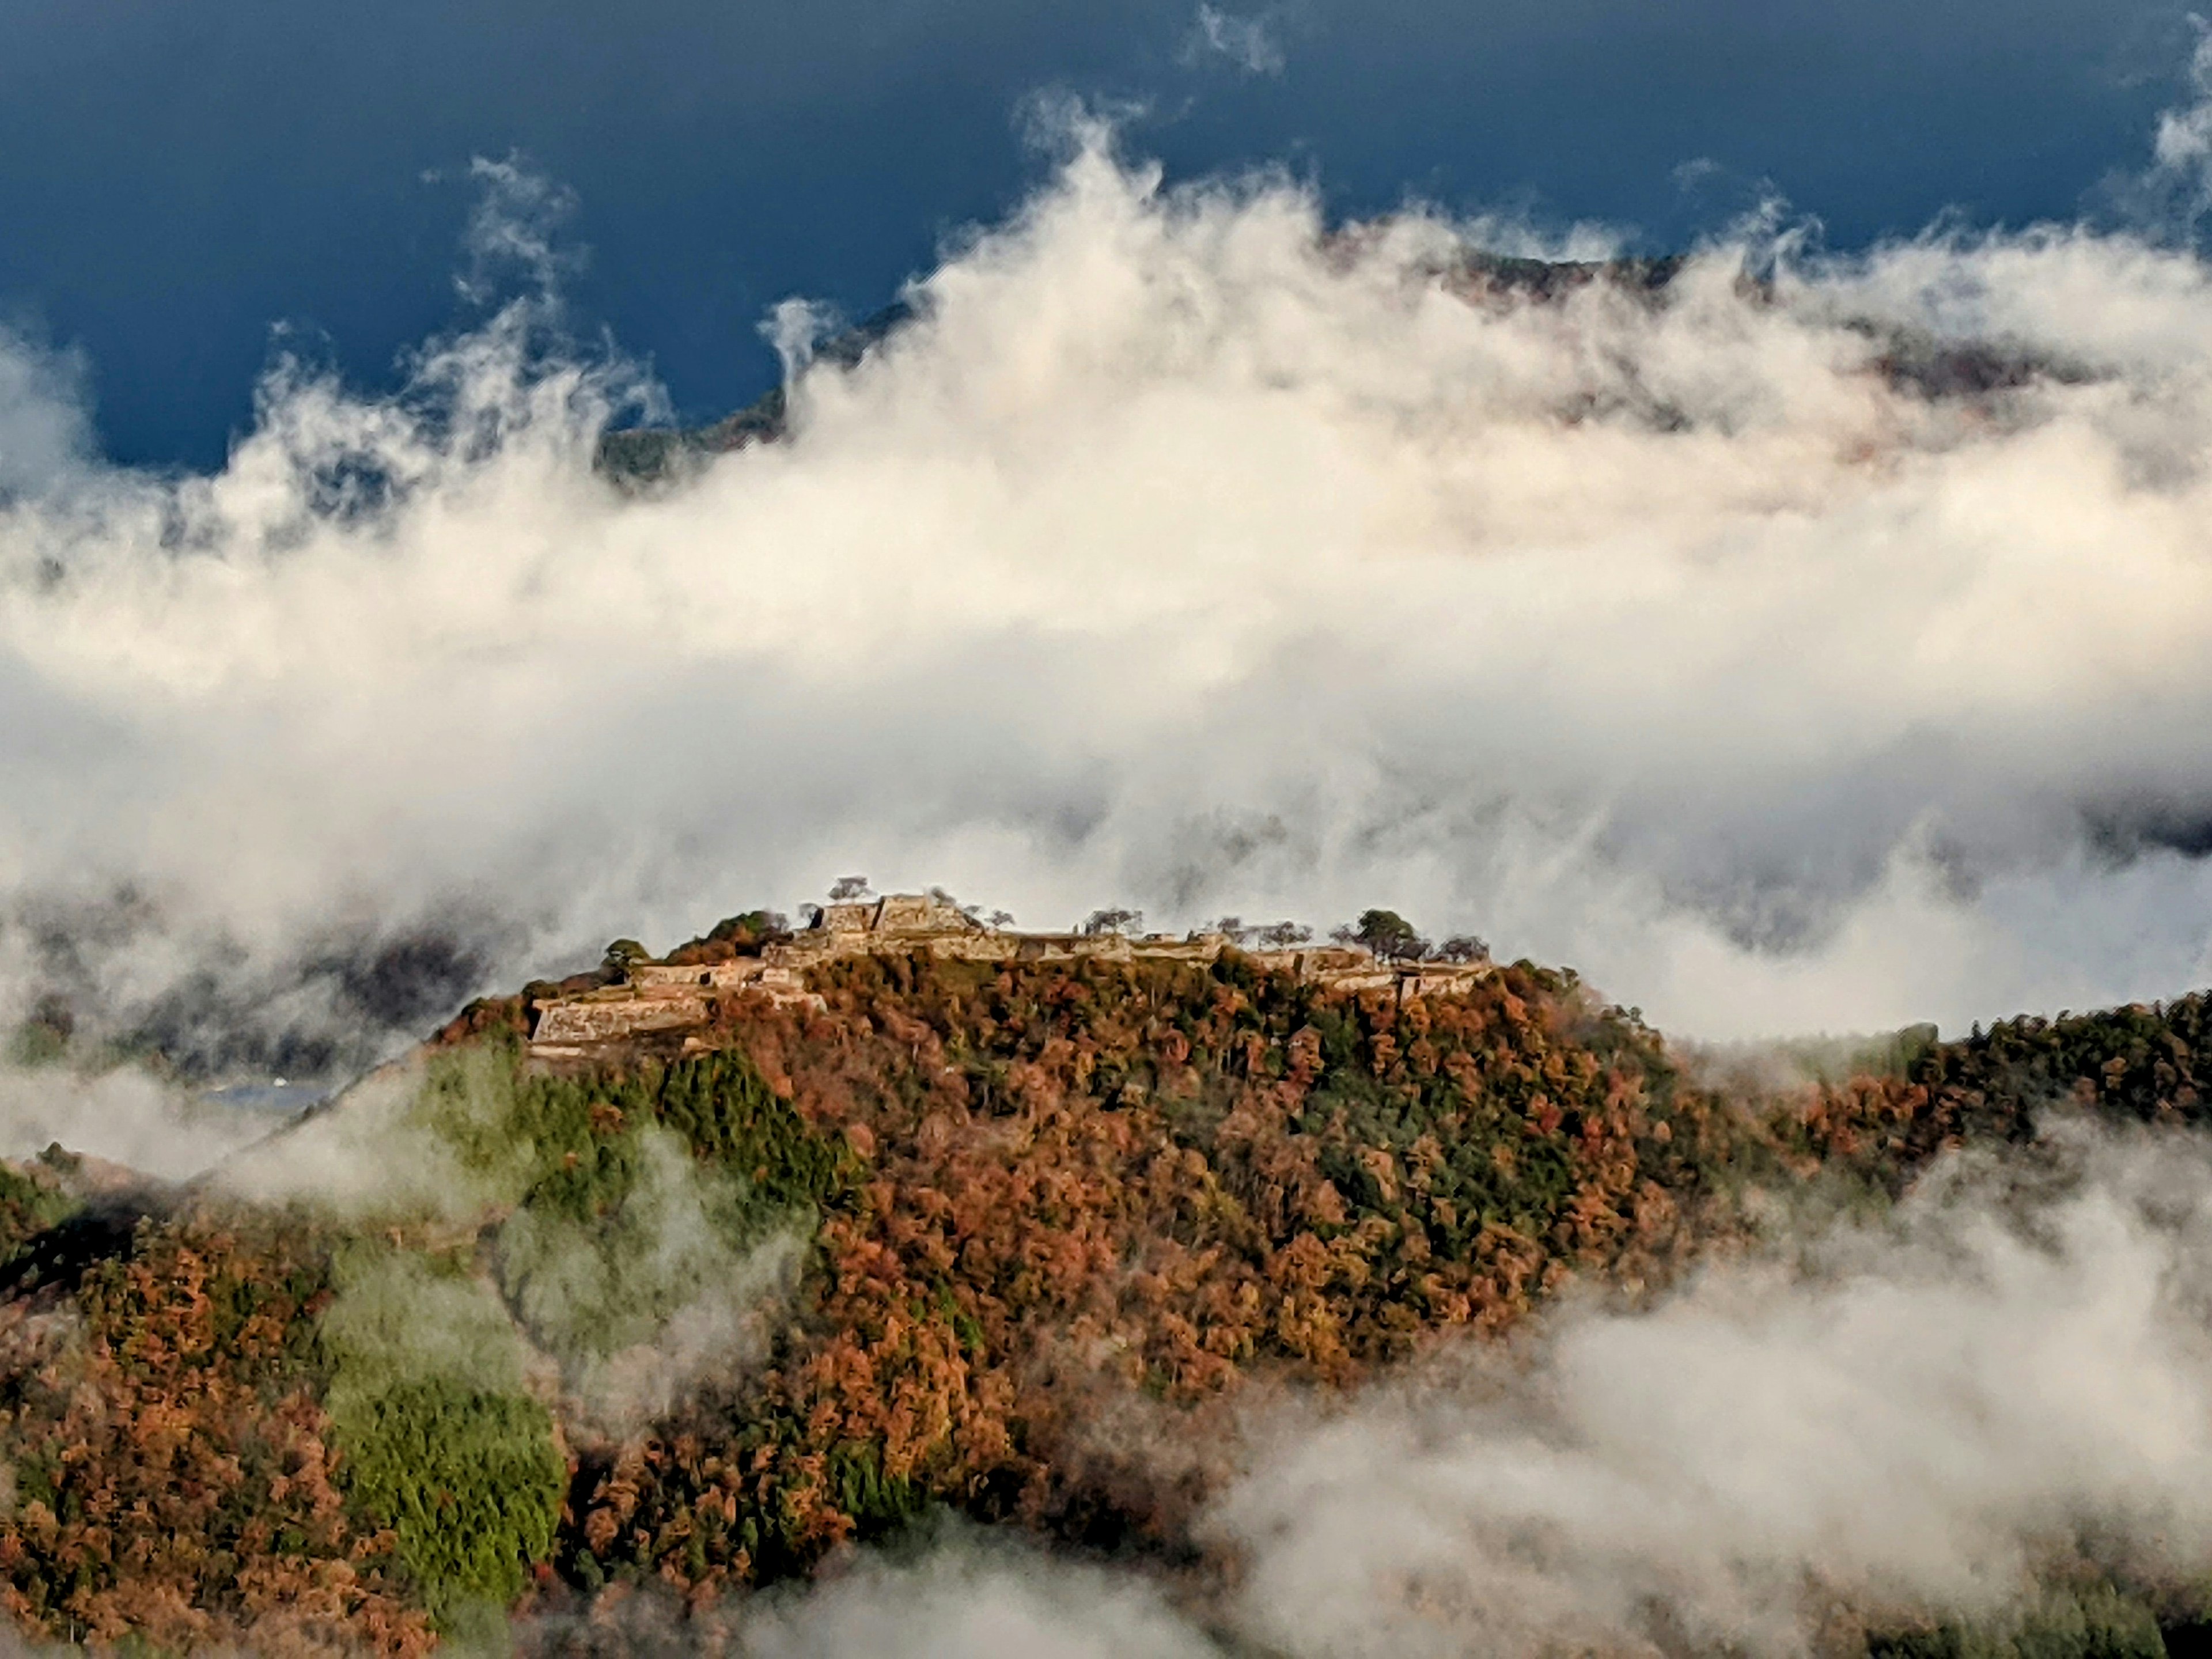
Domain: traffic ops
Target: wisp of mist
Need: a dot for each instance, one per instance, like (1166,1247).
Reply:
(1815,641)
(1965,1410)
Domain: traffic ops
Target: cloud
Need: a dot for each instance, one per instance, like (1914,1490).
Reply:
(517,227)
(1827,651)
(125,1117)
(645,1303)
(675,1275)
(369,1153)
(966,1598)
(1925,1419)
(1250,43)
(949,1590)
(1962,1410)
(45,428)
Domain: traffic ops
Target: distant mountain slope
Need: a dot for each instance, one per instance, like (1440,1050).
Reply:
(643,456)
(637,457)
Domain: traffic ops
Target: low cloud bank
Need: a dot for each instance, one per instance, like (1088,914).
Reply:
(978,1601)
(1966,1411)
(1941,1416)
(1824,650)
(125,1117)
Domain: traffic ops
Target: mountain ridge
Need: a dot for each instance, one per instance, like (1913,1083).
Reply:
(705,1312)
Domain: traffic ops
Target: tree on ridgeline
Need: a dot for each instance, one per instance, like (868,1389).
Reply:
(1387,934)
(623,954)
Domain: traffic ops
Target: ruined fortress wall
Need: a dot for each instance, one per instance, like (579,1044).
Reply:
(661,996)
(1437,978)
(646,974)
(608,1016)
(660,976)
(913,913)
(1369,979)
(1328,963)
(1334,959)
(1180,950)
(975,947)
(605,1021)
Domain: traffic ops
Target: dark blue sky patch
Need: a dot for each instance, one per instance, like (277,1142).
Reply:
(179,176)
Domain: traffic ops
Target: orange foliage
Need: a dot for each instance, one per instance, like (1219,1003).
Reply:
(173,1474)
(1143,1183)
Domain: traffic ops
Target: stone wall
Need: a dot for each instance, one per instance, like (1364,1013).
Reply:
(595,1017)
(923,912)
(643,1007)
(718,975)
(662,997)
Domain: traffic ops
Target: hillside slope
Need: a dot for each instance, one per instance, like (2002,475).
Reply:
(1016,1240)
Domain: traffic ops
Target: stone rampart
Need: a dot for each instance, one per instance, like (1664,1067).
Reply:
(595,1017)
(923,913)
(665,997)
(717,975)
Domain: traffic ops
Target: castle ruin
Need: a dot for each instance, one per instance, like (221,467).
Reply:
(657,997)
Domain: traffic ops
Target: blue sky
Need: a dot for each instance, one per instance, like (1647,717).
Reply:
(180,178)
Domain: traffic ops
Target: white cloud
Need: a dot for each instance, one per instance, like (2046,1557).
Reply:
(124,1117)
(1937,1414)
(976,1603)
(517,227)
(1954,1412)
(1185,555)
(46,431)
(1250,43)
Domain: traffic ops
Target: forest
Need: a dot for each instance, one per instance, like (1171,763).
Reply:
(683,1322)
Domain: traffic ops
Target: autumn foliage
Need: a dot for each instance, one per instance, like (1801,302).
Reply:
(172,1468)
(1055,1224)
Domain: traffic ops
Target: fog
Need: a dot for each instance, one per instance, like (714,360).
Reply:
(1815,642)
(1962,1410)
(1938,1415)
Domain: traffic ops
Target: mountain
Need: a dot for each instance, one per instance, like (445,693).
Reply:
(643,458)
(793,1241)
(638,457)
